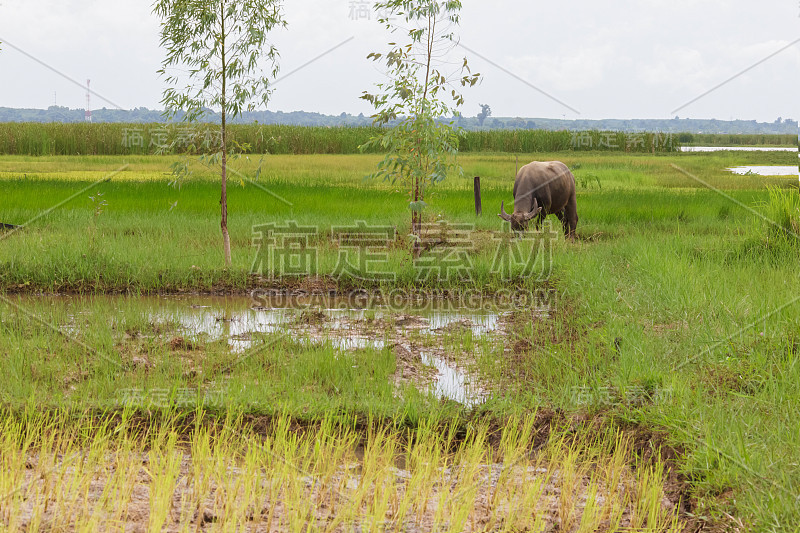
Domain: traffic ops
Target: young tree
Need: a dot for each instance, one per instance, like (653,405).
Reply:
(486,111)
(217,57)
(420,148)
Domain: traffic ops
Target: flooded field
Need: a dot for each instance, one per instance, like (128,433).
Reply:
(272,473)
(765,170)
(410,330)
(338,321)
(432,340)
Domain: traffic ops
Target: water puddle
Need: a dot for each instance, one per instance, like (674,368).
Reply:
(766,170)
(452,382)
(349,328)
(345,328)
(430,333)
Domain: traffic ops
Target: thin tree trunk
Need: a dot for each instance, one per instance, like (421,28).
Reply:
(226,239)
(416,224)
(416,215)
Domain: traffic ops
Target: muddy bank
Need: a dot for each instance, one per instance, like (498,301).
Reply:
(242,284)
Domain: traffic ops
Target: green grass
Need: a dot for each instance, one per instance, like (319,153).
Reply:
(675,306)
(783,217)
(143,349)
(151,236)
(720,335)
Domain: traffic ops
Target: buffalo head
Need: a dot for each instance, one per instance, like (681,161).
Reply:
(519,220)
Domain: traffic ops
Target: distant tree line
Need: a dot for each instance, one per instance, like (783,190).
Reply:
(482,121)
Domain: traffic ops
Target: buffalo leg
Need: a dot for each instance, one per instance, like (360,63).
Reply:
(571,218)
(563,220)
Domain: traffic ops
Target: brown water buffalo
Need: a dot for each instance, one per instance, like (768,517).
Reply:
(541,189)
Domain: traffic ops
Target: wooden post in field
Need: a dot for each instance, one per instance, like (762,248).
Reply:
(477,187)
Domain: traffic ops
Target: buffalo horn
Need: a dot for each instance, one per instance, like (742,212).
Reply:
(534,211)
(503,214)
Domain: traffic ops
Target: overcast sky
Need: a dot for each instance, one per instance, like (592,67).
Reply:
(618,59)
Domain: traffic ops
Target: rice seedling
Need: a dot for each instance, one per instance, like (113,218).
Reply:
(177,477)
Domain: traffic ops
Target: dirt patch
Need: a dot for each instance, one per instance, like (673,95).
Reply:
(650,446)
(74,377)
(459,326)
(720,380)
(410,368)
(522,346)
(180,343)
(137,350)
(309,316)
(406,321)
(653,445)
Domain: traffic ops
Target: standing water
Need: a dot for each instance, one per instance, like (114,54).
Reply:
(426,327)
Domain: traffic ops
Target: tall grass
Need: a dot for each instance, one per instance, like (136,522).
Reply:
(531,141)
(145,139)
(737,139)
(783,212)
(39,139)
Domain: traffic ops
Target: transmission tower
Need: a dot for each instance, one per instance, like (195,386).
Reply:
(88,102)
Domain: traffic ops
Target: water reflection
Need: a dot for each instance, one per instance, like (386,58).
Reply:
(766,170)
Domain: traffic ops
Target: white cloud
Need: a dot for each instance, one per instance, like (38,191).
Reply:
(677,68)
(569,70)
(631,58)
